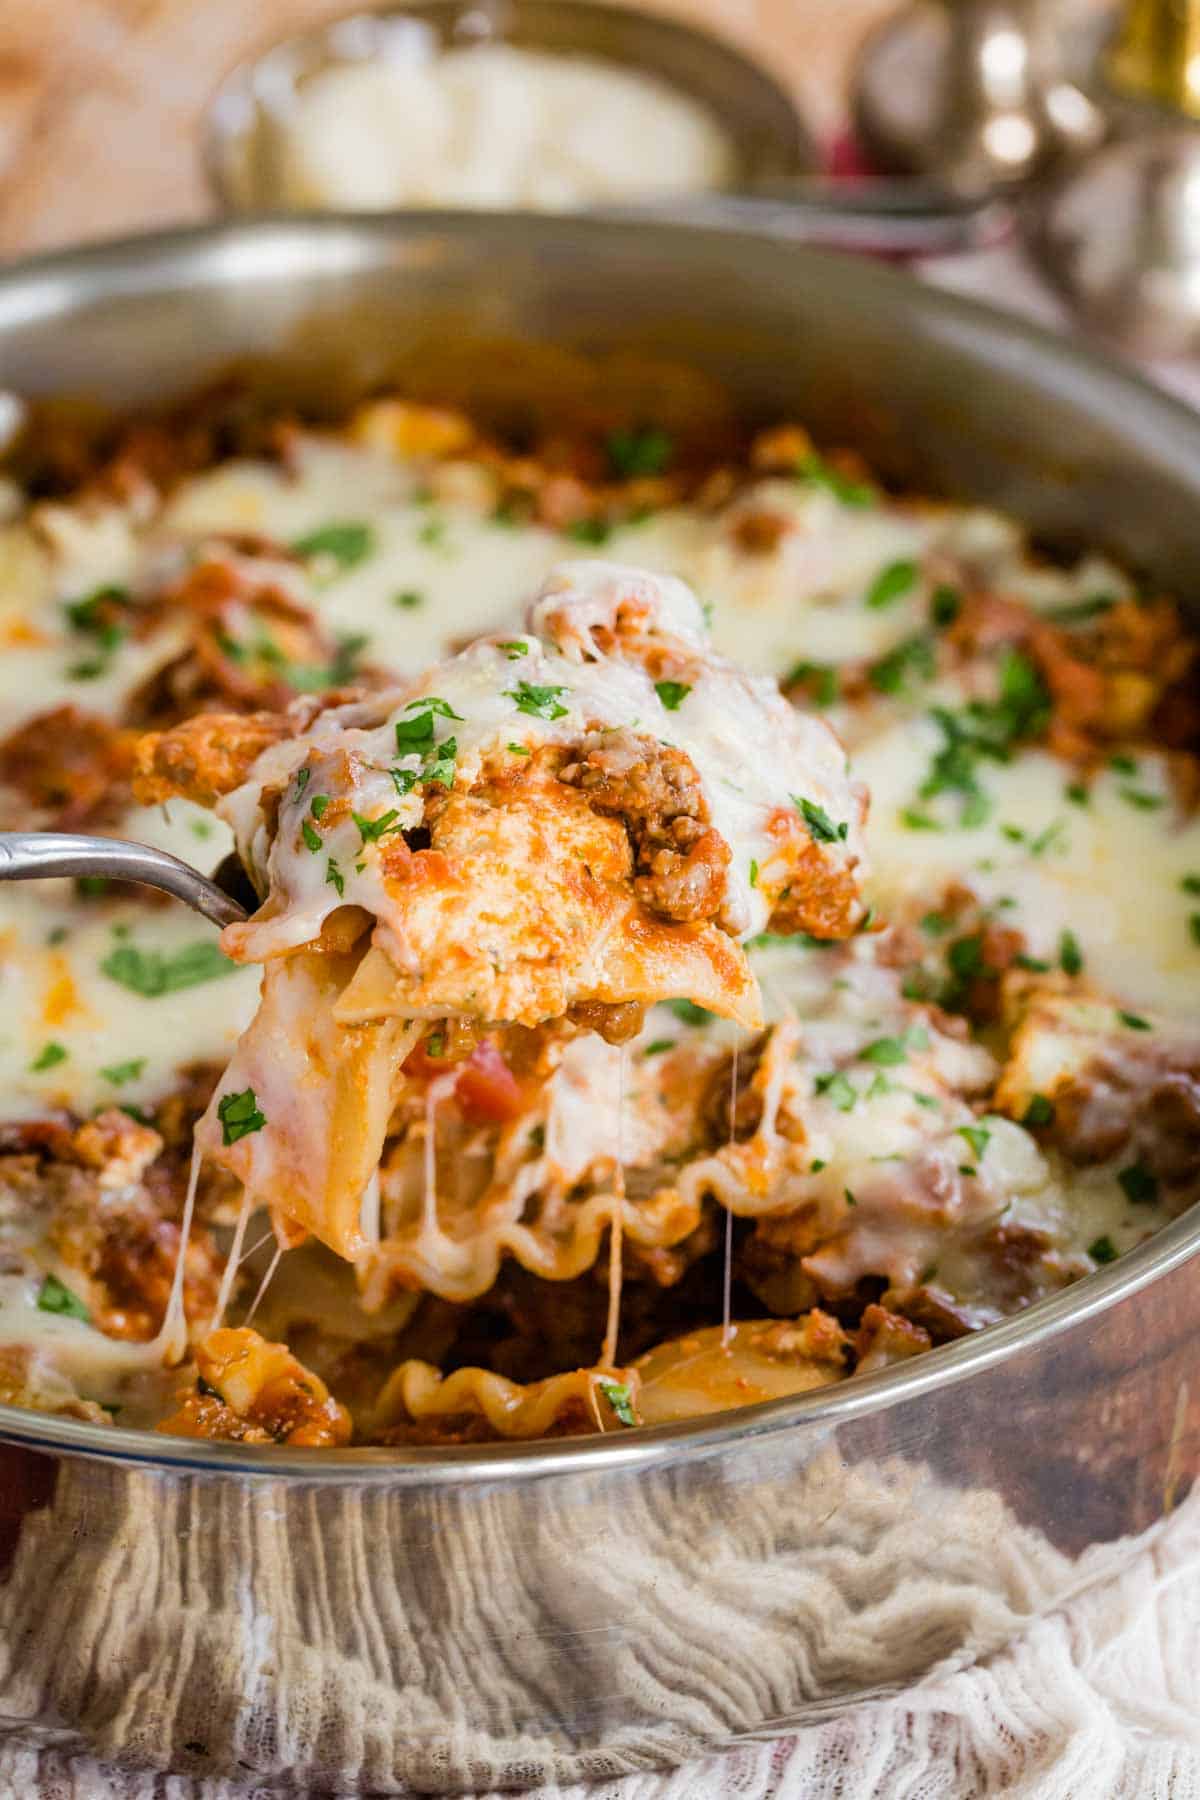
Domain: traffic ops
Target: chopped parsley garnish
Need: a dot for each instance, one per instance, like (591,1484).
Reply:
(1141,799)
(48,1057)
(98,617)
(239,1116)
(977,1137)
(672,693)
(821,678)
(1191,884)
(438,767)
(986,728)
(913,659)
(753,873)
(1103,1250)
(1134,1021)
(821,826)
(965,957)
(589,531)
(967,1169)
(348,542)
(1123,765)
(311,836)
(55,1297)
(1139,1184)
(913,819)
(435,1044)
(537,702)
(1040,1111)
(634,453)
(1070,956)
(514,648)
(408,599)
(890,584)
(690,1013)
(849,1198)
(658,1046)
(520,749)
(120,1073)
(935,924)
(1077,612)
(319,806)
(334,878)
(837,1089)
(817,1164)
(303,777)
(819,473)
(945,604)
(890,1052)
(1035,965)
(1194,927)
(371,830)
(419,728)
(153,973)
(619,1398)
(433,534)
(1077,793)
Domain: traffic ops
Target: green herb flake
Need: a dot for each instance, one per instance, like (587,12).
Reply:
(311,836)
(1034,965)
(1194,927)
(818,473)
(239,1115)
(1139,798)
(408,599)
(820,678)
(537,702)
(658,1046)
(912,660)
(1134,1021)
(589,531)
(1077,793)
(55,1297)
(320,806)
(821,827)
(303,777)
(638,453)
(976,1137)
(520,750)
(1078,612)
(672,693)
(619,1399)
(849,1198)
(1124,765)
(514,648)
(152,973)
(119,1073)
(935,924)
(891,584)
(1103,1250)
(690,1013)
(1039,1112)
(348,542)
(334,878)
(817,1164)
(1191,884)
(371,830)
(945,604)
(48,1057)
(913,819)
(433,534)
(1070,956)
(753,873)
(837,1089)
(1139,1184)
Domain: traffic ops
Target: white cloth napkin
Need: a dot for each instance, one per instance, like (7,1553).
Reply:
(1100,1701)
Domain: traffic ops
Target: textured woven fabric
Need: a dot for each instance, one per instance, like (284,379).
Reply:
(1098,1702)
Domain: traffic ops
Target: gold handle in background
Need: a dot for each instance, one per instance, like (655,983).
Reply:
(1155,54)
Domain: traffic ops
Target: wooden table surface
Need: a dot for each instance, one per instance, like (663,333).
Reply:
(100,99)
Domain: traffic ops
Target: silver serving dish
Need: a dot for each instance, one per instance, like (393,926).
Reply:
(759,117)
(465,1618)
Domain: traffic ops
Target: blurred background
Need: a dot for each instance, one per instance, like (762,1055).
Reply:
(1043,152)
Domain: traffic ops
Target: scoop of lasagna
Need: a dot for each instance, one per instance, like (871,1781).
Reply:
(555,829)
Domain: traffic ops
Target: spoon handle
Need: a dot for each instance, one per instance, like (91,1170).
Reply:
(39,855)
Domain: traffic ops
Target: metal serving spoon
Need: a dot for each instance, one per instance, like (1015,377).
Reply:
(39,855)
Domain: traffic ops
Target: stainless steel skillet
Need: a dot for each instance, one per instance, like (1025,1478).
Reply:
(473,1617)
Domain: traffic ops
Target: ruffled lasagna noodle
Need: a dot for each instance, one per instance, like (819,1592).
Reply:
(566,825)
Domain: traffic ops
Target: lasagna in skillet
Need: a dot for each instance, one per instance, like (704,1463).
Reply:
(588,1061)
